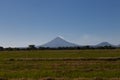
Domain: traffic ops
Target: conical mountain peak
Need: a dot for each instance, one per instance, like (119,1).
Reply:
(59,42)
(59,37)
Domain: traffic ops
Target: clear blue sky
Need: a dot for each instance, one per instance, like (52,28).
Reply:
(24,22)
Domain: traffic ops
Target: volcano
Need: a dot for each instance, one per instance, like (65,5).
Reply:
(104,44)
(59,42)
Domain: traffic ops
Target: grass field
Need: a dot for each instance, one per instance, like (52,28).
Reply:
(35,65)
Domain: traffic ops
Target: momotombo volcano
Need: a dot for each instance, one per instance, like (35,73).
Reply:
(58,42)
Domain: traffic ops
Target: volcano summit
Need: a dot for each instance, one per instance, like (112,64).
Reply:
(59,42)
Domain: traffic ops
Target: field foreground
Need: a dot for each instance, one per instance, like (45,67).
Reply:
(60,65)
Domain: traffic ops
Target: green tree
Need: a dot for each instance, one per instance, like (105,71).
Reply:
(31,47)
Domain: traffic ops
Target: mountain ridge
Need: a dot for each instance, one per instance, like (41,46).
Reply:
(61,42)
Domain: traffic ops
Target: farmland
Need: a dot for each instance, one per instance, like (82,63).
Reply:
(60,64)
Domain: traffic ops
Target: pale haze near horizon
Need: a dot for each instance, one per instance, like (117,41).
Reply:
(84,22)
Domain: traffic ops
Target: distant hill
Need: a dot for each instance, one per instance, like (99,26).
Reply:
(118,45)
(103,44)
(58,42)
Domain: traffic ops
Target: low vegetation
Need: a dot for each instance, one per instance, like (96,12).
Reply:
(60,65)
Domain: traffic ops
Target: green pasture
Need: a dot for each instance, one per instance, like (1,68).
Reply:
(13,69)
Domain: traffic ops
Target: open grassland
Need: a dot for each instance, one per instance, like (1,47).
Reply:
(60,64)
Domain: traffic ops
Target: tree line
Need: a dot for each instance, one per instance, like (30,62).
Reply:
(33,47)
